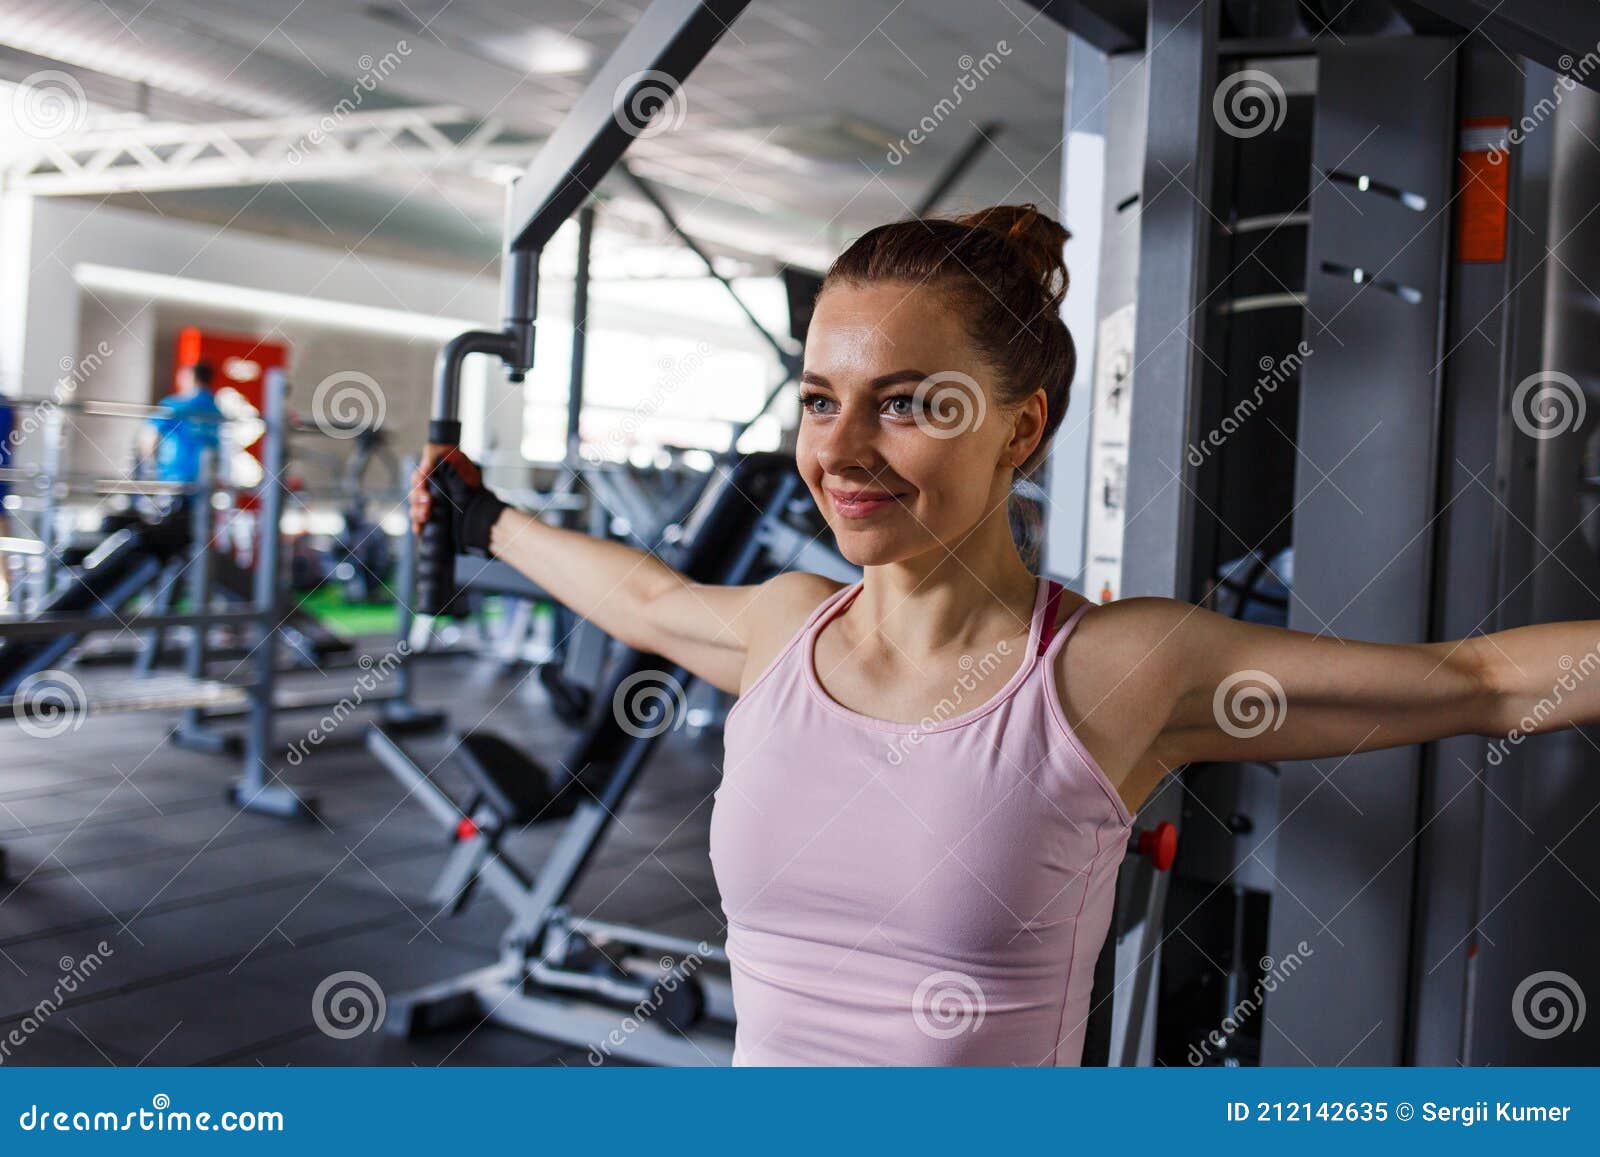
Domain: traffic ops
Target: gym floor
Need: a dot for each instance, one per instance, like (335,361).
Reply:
(222,923)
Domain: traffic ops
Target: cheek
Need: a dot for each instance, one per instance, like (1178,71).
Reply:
(949,475)
(960,463)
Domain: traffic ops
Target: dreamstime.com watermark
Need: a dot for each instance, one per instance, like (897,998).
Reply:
(974,672)
(647,703)
(973,72)
(347,1004)
(159,1118)
(1248,103)
(948,404)
(49,104)
(1274,372)
(347,404)
(374,674)
(74,974)
(1542,710)
(1548,1004)
(373,71)
(674,975)
(1547,404)
(49,703)
(28,420)
(947,1004)
(675,373)
(647,104)
(1249,703)
(1274,973)
(1572,74)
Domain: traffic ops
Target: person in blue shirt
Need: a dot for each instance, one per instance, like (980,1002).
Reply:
(187,426)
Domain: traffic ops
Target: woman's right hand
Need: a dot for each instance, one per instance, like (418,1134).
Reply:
(432,454)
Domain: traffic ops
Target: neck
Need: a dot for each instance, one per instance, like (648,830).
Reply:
(972,592)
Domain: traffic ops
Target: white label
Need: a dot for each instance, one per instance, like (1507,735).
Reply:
(1108,455)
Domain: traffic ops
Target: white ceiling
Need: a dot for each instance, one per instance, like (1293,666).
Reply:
(774,157)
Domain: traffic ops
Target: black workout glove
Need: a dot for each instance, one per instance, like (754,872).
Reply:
(472,510)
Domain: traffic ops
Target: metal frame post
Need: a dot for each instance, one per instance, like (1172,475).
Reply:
(201,522)
(580,335)
(1174,235)
(191,731)
(253,791)
(49,471)
(399,713)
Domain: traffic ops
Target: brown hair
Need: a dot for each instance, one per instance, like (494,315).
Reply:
(1004,271)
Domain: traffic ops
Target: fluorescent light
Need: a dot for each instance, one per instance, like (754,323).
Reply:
(339,314)
(542,52)
(552,52)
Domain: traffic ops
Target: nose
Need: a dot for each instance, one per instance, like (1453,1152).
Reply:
(848,444)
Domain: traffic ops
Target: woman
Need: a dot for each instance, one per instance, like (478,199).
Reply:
(931,774)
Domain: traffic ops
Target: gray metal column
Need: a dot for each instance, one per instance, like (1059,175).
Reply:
(1174,234)
(1083,195)
(256,790)
(1383,158)
(1540,863)
(580,334)
(201,523)
(1493,340)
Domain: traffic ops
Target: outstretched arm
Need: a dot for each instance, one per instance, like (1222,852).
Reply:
(1243,691)
(630,594)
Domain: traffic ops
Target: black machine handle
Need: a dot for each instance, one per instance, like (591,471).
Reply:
(436,546)
(513,345)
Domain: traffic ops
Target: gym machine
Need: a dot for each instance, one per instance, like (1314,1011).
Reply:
(1411,204)
(89,600)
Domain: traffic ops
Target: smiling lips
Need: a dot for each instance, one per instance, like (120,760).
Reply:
(860,503)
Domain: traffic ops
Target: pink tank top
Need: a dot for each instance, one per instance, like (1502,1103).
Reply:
(930,893)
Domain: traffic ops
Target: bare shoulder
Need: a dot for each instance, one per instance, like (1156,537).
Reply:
(779,608)
(1141,624)
(1114,678)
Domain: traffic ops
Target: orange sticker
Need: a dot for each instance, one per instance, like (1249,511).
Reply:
(1484,174)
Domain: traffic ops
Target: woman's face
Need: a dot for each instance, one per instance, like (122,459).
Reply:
(902,441)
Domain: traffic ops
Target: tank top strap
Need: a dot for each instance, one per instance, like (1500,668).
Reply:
(1058,640)
(1048,628)
(826,608)
(793,653)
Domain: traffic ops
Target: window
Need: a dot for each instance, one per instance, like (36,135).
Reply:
(668,363)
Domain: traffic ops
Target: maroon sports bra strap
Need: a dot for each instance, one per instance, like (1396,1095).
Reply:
(1051,603)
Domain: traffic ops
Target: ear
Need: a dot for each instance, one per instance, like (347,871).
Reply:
(1027,427)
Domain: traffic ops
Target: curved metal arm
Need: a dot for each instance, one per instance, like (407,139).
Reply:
(513,345)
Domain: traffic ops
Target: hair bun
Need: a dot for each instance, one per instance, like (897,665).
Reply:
(1038,240)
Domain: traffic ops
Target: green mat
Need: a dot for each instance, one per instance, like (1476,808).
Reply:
(349,620)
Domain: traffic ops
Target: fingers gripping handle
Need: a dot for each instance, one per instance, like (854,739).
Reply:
(436,547)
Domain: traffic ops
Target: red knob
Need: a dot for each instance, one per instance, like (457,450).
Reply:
(466,829)
(1159,845)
